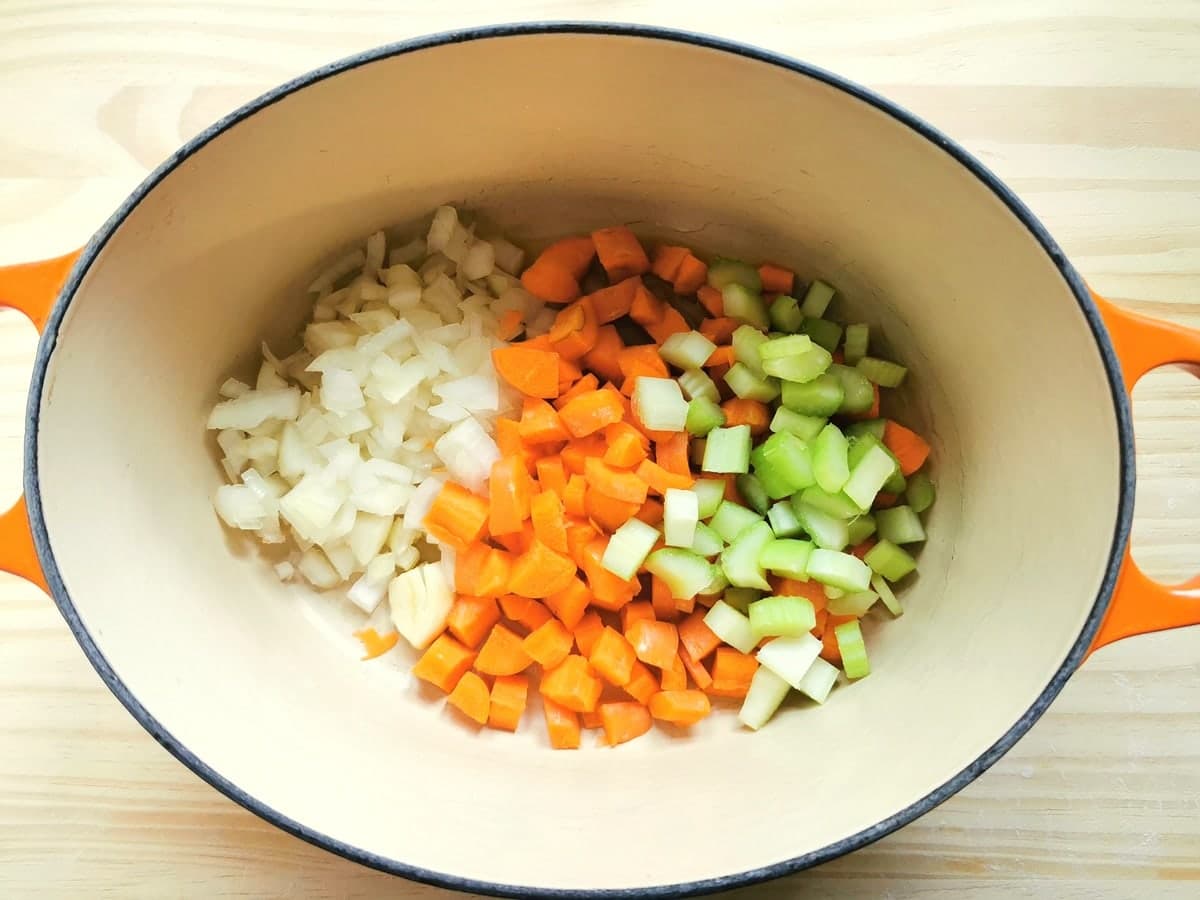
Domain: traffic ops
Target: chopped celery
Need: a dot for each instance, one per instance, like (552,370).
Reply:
(766,695)
(801,368)
(897,483)
(772,482)
(832,593)
(790,657)
(683,572)
(816,300)
(749,386)
(746,341)
(900,525)
(858,395)
(733,271)
(881,371)
(783,520)
(687,349)
(884,590)
(818,681)
(753,493)
(784,464)
(837,505)
(681,514)
(785,314)
(695,383)
(853,649)
(739,561)
(703,415)
(740,598)
(824,332)
(873,427)
(658,403)
(786,557)
(920,492)
(717,586)
(855,347)
(889,561)
(628,548)
(852,604)
(785,347)
(727,450)
(804,427)
(869,475)
(840,570)
(730,626)
(706,542)
(861,528)
(830,465)
(710,493)
(730,520)
(746,305)
(826,531)
(696,448)
(820,397)
(782,617)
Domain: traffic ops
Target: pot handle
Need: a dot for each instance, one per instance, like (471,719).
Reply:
(31,288)
(1140,604)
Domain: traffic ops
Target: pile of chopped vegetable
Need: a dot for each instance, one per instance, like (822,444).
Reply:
(699,497)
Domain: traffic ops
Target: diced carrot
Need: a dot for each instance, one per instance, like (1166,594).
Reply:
(614,483)
(587,632)
(510,325)
(375,644)
(549,521)
(624,721)
(568,374)
(482,571)
(444,663)
(540,572)
(470,697)
(860,550)
(671,322)
(471,618)
(884,500)
(578,450)
(731,672)
(510,489)
(562,725)
(550,282)
(608,512)
(907,446)
(696,637)
(719,331)
(590,719)
(579,534)
(667,260)
(457,516)
(509,695)
(626,445)
(638,611)
(685,605)
(691,276)
(722,356)
(540,422)
(551,475)
(660,480)
(574,254)
(508,440)
(646,308)
(731,492)
(532,372)
(754,413)
(671,452)
(655,643)
(694,667)
(516,541)
(591,412)
(524,611)
(602,358)
(642,685)
(570,603)
(818,630)
(873,412)
(612,302)
(574,495)
(661,600)
(574,330)
(674,676)
(549,644)
(541,342)
(609,591)
(776,279)
(810,590)
(585,384)
(502,653)
(651,512)
(620,252)
(714,302)
(680,707)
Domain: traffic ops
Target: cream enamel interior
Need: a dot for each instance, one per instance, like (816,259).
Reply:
(548,134)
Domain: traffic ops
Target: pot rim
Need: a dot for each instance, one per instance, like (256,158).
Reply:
(951,786)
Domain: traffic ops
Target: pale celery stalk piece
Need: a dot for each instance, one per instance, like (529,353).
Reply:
(782,616)
(628,548)
(687,350)
(684,573)
(868,477)
(739,561)
(710,494)
(887,595)
(767,693)
(790,657)
(853,604)
(658,403)
(731,626)
(840,570)
(853,649)
(818,681)
(681,514)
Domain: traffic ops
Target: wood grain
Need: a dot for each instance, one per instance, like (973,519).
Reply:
(1088,109)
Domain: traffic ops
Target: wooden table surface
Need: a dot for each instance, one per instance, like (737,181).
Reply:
(1090,110)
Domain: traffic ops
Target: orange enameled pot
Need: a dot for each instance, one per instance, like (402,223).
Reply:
(1020,376)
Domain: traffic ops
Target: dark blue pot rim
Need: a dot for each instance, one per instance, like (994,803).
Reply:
(1108,357)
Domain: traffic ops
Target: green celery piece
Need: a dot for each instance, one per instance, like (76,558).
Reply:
(861,528)
(730,626)
(753,493)
(802,368)
(855,347)
(804,427)
(873,427)
(684,573)
(785,314)
(782,617)
(858,394)
(881,371)
(824,332)
(783,520)
(787,558)
(852,649)
(740,598)
(711,493)
(783,461)
(820,397)
(837,505)
(745,305)
(839,570)
(869,475)
(816,300)
(706,541)
(722,272)
(731,519)
(739,560)
(920,492)
(728,450)
(826,531)
(703,415)
(900,525)
(746,343)
(890,561)
(749,386)
(831,466)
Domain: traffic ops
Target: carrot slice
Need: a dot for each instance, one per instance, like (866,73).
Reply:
(906,445)
(575,454)
(482,571)
(509,695)
(587,632)
(540,422)
(696,637)
(660,480)
(471,618)
(570,603)
(574,496)
(667,260)
(620,252)
(719,330)
(502,653)
(722,357)
(524,611)
(376,644)
(585,384)
(612,656)
(615,301)
(638,611)
(681,707)
(655,643)
(590,719)
(691,276)
(651,512)
(444,663)
(776,279)
(674,676)
(754,413)
(510,325)
(549,521)
(508,440)
(602,358)
(572,684)
(626,445)
(695,668)
(614,483)
(713,301)
(579,534)
(549,644)
(551,475)
(646,308)
(642,685)
(510,489)
(457,516)
(540,572)
(562,725)
(609,591)
(470,697)
(574,330)
(670,322)
(624,721)
(661,600)
(607,512)
(671,453)
(731,672)
(574,254)
(590,412)
(550,282)
(532,372)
